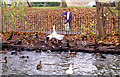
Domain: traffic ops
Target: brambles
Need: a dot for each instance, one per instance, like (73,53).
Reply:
(13,15)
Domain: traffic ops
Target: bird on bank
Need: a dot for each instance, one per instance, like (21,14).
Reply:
(38,50)
(10,38)
(55,35)
(60,47)
(69,71)
(4,60)
(84,43)
(47,39)
(18,49)
(67,43)
(19,42)
(39,66)
(96,44)
(36,35)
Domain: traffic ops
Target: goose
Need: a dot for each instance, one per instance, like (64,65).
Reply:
(69,71)
(55,35)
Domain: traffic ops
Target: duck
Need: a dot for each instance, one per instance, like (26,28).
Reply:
(72,54)
(69,71)
(10,38)
(18,49)
(48,51)
(14,53)
(19,42)
(96,45)
(24,56)
(55,35)
(38,50)
(3,52)
(96,54)
(37,36)
(47,39)
(5,60)
(67,43)
(102,56)
(60,46)
(39,66)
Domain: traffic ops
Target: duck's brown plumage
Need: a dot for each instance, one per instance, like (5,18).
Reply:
(39,66)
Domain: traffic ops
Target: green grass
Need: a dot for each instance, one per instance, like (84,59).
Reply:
(82,7)
(64,7)
(47,7)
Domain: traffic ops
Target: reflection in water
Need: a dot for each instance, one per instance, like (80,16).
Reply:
(56,63)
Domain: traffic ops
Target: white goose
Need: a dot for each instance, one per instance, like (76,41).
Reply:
(69,71)
(55,35)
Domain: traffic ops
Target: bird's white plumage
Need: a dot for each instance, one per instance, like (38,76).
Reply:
(55,35)
(84,43)
(69,71)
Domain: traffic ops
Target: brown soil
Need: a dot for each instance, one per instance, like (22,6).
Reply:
(28,41)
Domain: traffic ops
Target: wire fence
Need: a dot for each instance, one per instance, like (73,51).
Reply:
(19,19)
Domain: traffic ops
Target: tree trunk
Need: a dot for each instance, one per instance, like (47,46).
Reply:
(99,21)
(44,4)
(29,5)
(63,3)
(119,19)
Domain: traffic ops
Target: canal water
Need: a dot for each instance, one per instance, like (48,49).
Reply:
(56,63)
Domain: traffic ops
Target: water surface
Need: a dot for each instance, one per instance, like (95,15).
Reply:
(56,63)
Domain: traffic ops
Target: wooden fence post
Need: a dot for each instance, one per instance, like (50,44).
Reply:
(99,20)
(63,3)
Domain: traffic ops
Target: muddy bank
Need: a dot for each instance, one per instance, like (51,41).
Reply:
(35,41)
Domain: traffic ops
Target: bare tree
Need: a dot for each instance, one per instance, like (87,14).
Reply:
(63,3)
(29,5)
